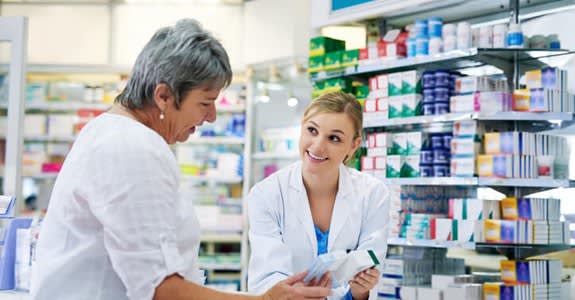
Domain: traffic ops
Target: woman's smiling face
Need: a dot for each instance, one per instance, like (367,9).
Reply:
(325,142)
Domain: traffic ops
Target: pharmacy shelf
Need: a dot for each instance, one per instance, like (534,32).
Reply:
(49,139)
(451,117)
(212,179)
(524,182)
(42,176)
(430,243)
(221,267)
(235,108)
(213,237)
(431,181)
(275,155)
(61,106)
(457,59)
(215,140)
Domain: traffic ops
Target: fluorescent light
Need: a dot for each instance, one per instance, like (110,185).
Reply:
(292,101)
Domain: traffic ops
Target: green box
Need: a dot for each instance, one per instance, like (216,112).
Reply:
(410,166)
(332,60)
(410,105)
(393,166)
(322,45)
(395,83)
(411,82)
(315,64)
(338,84)
(361,92)
(395,107)
(350,58)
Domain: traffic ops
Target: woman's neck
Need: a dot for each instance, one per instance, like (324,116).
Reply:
(141,116)
(321,184)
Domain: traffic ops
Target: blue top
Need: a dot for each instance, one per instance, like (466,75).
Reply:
(322,238)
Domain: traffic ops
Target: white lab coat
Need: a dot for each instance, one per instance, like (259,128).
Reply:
(282,235)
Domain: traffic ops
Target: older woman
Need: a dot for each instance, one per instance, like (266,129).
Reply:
(115,227)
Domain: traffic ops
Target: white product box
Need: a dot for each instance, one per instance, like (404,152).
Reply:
(429,293)
(462,166)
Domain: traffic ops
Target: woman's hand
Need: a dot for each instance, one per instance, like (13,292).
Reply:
(294,288)
(363,282)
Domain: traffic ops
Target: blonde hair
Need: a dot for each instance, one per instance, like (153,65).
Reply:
(337,102)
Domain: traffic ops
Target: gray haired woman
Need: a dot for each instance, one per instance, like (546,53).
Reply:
(115,227)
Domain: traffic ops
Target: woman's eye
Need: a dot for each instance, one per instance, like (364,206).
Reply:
(311,130)
(334,138)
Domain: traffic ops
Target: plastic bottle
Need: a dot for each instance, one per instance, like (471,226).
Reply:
(515,36)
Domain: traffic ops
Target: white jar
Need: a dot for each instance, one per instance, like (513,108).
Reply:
(434,45)
(449,30)
(515,37)
(449,43)
(485,37)
(500,36)
(463,35)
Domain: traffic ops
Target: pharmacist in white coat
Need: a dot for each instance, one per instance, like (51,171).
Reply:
(317,204)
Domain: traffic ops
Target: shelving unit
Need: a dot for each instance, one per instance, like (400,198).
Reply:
(511,63)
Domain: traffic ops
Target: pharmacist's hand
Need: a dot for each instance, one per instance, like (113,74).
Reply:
(324,281)
(292,288)
(363,282)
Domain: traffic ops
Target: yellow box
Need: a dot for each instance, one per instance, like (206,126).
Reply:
(492,231)
(485,165)
(521,100)
(533,79)
(508,271)
(509,208)
(492,143)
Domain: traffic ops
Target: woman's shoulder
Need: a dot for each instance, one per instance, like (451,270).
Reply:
(281,177)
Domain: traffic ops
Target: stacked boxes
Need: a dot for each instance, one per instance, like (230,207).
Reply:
(438,86)
(546,92)
(435,157)
(480,94)
(465,146)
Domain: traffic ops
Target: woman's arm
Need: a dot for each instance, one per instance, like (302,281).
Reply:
(175,287)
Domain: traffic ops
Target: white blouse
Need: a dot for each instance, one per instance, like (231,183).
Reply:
(115,226)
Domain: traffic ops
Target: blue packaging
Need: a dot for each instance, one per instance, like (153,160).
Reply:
(441,170)
(447,139)
(428,95)
(441,107)
(421,47)
(428,80)
(441,92)
(426,170)
(436,141)
(421,27)
(435,27)
(515,39)
(441,156)
(411,47)
(442,79)
(425,156)
(428,108)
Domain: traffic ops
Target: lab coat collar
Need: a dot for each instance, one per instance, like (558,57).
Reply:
(341,209)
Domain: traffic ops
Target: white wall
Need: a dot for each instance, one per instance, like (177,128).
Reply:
(80,34)
(276,29)
(64,34)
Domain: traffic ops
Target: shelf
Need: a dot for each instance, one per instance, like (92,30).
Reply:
(457,59)
(275,155)
(221,267)
(42,176)
(212,179)
(214,140)
(431,181)
(524,182)
(215,237)
(430,243)
(49,139)
(230,108)
(61,106)
(451,117)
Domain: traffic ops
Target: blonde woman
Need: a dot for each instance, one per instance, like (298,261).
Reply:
(317,204)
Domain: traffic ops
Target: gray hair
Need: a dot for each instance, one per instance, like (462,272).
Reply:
(184,57)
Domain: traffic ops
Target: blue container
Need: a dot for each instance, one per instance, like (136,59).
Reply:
(428,80)
(441,108)
(441,92)
(425,156)
(411,47)
(441,156)
(428,109)
(8,252)
(435,27)
(441,170)
(426,170)
(442,79)
(421,47)
(447,139)
(421,29)
(436,140)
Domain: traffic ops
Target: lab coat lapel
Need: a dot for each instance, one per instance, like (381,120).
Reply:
(342,207)
(300,204)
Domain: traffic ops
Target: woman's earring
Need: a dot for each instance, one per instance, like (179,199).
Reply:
(161,116)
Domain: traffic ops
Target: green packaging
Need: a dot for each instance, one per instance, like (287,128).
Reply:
(332,60)
(321,45)
(315,64)
(350,58)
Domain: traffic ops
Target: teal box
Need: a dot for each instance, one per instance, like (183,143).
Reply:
(395,83)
